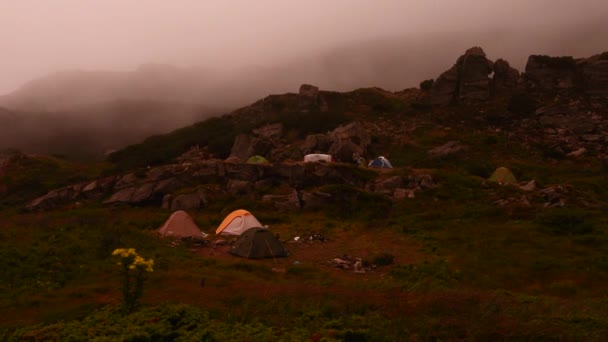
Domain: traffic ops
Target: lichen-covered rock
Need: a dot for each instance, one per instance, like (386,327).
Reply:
(505,77)
(308,90)
(594,72)
(552,74)
(466,80)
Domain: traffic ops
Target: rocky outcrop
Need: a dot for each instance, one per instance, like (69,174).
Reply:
(565,75)
(552,74)
(157,185)
(474,68)
(505,77)
(594,75)
(246,146)
(467,80)
(451,147)
(308,90)
(341,143)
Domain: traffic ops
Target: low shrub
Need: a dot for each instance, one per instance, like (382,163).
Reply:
(427,84)
(563,221)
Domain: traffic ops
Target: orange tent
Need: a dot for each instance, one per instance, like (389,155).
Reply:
(237,222)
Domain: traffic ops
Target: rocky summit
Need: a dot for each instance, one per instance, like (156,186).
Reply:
(556,109)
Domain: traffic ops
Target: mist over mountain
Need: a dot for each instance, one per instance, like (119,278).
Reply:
(85,112)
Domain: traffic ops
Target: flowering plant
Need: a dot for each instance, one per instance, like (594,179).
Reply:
(134,271)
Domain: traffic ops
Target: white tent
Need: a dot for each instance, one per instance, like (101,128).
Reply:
(180,224)
(237,222)
(310,158)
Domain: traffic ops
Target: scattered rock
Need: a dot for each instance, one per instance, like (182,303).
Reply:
(308,90)
(577,153)
(446,149)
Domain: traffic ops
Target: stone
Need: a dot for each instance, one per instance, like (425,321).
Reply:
(467,80)
(186,202)
(287,202)
(505,77)
(529,186)
(317,143)
(594,73)
(315,199)
(246,145)
(577,153)
(274,130)
(446,149)
(388,185)
(238,187)
(121,196)
(308,90)
(166,203)
(552,74)
(354,132)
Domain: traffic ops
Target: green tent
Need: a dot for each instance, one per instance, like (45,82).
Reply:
(502,176)
(258,243)
(257,160)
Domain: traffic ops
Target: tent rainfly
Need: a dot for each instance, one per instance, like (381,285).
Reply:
(502,176)
(257,160)
(258,243)
(311,158)
(237,222)
(180,225)
(380,162)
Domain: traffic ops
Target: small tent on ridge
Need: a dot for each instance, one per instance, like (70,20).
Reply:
(311,158)
(258,243)
(257,160)
(237,222)
(380,162)
(502,176)
(180,225)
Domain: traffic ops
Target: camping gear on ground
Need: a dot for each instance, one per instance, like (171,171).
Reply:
(502,176)
(180,225)
(311,158)
(257,160)
(258,243)
(380,162)
(237,222)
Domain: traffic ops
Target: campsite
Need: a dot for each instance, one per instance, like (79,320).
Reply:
(470,208)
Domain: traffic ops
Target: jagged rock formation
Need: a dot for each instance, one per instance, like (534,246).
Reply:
(268,141)
(214,178)
(564,75)
(467,80)
(554,74)
(505,77)
(594,75)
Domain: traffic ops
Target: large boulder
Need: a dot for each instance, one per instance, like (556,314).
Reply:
(308,90)
(246,145)
(594,73)
(474,68)
(354,132)
(286,202)
(445,88)
(317,143)
(466,80)
(551,74)
(505,77)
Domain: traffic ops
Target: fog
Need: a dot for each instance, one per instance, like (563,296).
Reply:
(227,37)
(85,76)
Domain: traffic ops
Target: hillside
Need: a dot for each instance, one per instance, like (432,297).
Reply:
(444,252)
(87,132)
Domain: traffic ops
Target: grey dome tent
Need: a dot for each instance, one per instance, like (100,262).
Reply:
(380,162)
(258,243)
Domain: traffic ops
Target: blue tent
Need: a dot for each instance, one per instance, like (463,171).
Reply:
(380,162)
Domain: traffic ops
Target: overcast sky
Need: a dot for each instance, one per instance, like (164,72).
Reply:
(41,36)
